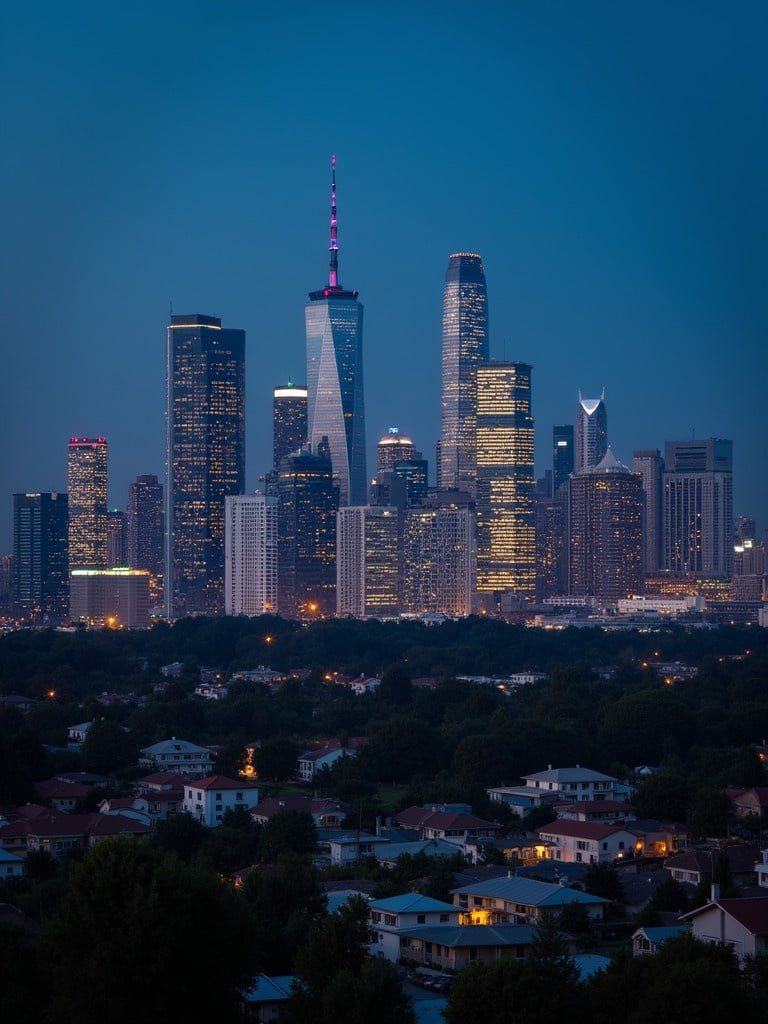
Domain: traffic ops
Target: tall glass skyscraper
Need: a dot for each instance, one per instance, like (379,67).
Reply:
(289,421)
(465,347)
(87,487)
(205,457)
(591,432)
(506,523)
(335,409)
(40,580)
(145,530)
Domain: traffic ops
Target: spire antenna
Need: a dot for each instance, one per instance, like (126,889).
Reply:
(333,276)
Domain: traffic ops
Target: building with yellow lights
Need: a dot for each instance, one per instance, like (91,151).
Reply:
(117,598)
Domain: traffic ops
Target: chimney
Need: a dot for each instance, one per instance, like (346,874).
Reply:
(714,895)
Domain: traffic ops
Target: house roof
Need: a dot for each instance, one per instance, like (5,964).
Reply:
(528,891)
(266,989)
(8,858)
(174,746)
(55,789)
(431,847)
(427,817)
(412,903)
(661,934)
(298,802)
(741,859)
(589,964)
(577,774)
(581,829)
(220,782)
(462,935)
(163,779)
(751,913)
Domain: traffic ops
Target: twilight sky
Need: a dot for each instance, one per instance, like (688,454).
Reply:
(608,161)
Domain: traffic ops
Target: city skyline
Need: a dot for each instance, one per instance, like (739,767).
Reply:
(617,201)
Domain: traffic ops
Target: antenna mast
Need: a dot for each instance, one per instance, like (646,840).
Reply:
(333,276)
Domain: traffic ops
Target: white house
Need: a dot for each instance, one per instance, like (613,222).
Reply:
(587,842)
(389,917)
(513,899)
(76,733)
(741,924)
(573,784)
(177,756)
(646,941)
(208,799)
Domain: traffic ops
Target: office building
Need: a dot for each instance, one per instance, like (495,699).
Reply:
(367,562)
(698,508)
(40,571)
(308,503)
(650,465)
(87,490)
(250,554)
(145,530)
(551,574)
(591,432)
(117,598)
(205,457)
(465,347)
(335,408)
(394,447)
(439,556)
(562,455)
(506,525)
(605,512)
(289,421)
(115,538)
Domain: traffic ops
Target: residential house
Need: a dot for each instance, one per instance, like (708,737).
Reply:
(457,827)
(76,734)
(178,756)
(61,834)
(572,784)
(646,941)
(212,691)
(586,842)
(697,866)
(64,796)
(741,924)
(762,870)
(389,917)
(349,847)
(453,947)
(521,799)
(16,700)
(266,999)
(388,853)
(208,799)
(324,754)
(745,802)
(511,899)
(596,810)
(326,812)
(658,838)
(11,865)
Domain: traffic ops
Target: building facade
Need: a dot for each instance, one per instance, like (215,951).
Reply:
(563,453)
(87,490)
(368,561)
(145,530)
(438,560)
(335,408)
(650,465)
(591,438)
(289,421)
(465,347)
(394,447)
(506,522)
(40,579)
(250,554)
(308,503)
(118,598)
(605,513)
(205,457)
(116,538)
(698,508)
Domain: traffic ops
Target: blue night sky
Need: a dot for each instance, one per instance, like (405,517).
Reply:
(608,161)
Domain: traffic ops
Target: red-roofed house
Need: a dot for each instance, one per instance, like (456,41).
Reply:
(208,799)
(327,812)
(748,801)
(587,842)
(324,754)
(454,827)
(64,796)
(741,924)
(596,810)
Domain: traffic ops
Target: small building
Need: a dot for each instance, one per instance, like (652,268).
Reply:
(76,734)
(573,784)
(646,941)
(511,899)
(457,827)
(178,756)
(741,924)
(446,947)
(326,812)
(208,799)
(587,842)
(11,865)
(696,866)
(389,917)
(266,998)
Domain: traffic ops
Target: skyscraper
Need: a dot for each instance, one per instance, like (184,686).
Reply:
(506,528)
(562,455)
(591,432)
(145,530)
(438,559)
(649,464)
(40,578)
(250,554)
(87,487)
(309,501)
(394,447)
(335,409)
(367,561)
(115,538)
(289,421)
(205,457)
(605,510)
(698,508)
(465,347)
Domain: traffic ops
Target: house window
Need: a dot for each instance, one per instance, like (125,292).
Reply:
(443,919)
(473,952)
(238,796)
(421,918)
(605,846)
(578,858)
(218,796)
(391,920)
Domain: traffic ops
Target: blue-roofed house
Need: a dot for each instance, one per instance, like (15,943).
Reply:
(588,964)
(512,899)
(646,941)
(265,1000)
(452,947)
(389,917)
(11,865)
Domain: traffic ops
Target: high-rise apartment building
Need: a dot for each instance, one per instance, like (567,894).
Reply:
(605,512)
(335,408)
(650,465)
(40,575)
(289,421)
(117,598)
(87,489)
(250,554)
(562,455)
(506,525)
(308,503)
(115,538)
(438,558)
(698,508)
(591,432)
(394,447)
(205,457)
(368,562)
(145,530)
(465,347)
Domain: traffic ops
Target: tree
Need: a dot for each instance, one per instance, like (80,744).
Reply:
(128,914)
(276,758)
(604,880)
(180,834)
(395,686)
(108,748)
(287,832)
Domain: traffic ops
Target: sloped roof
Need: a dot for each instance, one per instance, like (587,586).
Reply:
(412,903)
(661,934)
(269,989)
(576,774)
(740,859)
(462,935)
(174,746)
(751,913)
(528,891)
(582,829)
(219,782)
(426,817)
